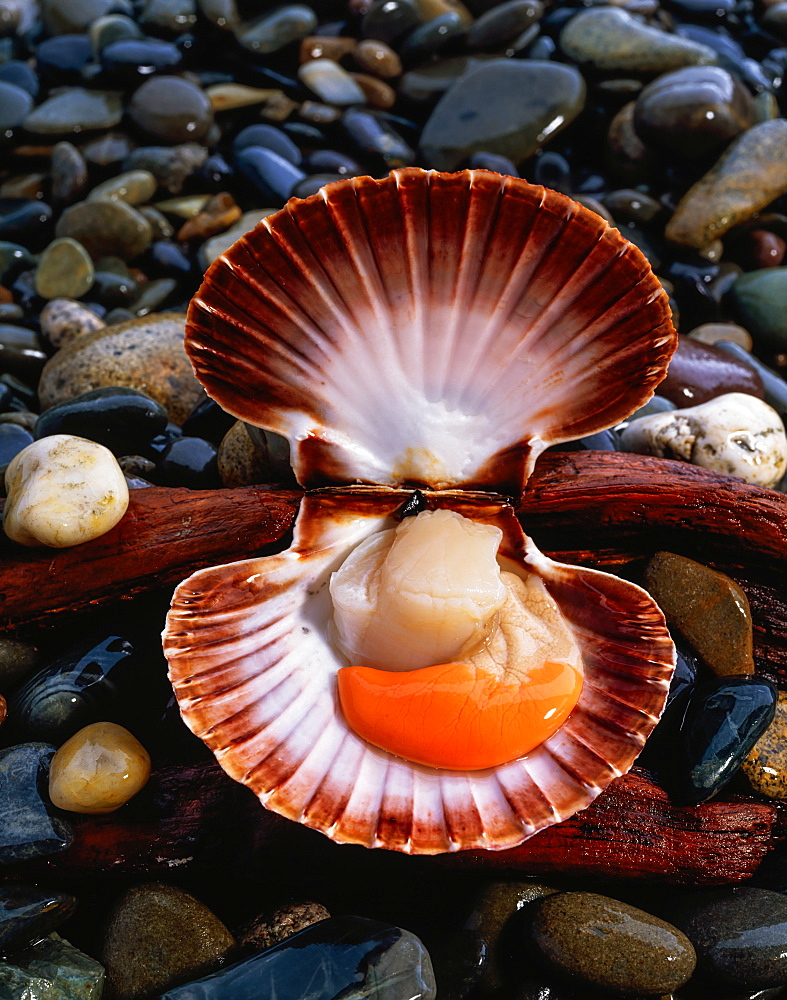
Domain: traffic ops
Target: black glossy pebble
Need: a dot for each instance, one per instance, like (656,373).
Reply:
(28,912)
(208,420)
(723,721)
(21,351)
(25,220)
(125,420)
(272,175)
(372,134)
(191,462)
(13,439)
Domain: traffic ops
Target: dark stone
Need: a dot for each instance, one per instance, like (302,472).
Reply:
(170,166)
(758,301)
(113,290)
(69,173)
(15,104)
(459,960)
(21,75)
(390,20)
(276,28)
(51,969)
(61,59)
(492,161)
(170,259)
(25,220)
(83,685)
(12,440)
(332,161)
(373,135)
(207,420)
(106,227)
(723,721)
(775,388)
(553,171)
(171,109)
(503,23)
(28,912)
(18,660)
(661,749)
(125,420)
(429,39)
(312,184)
(133,60)
(337,957)
(739,933)
(272,175)
(602,441)
(28,826)
(267,137)
(190,462)
(21,351)
(699,372)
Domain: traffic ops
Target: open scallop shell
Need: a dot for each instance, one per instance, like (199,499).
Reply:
(435,329)
(254,670)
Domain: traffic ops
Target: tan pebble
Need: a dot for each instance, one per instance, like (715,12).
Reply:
(766,765)
(326,47)
(228,96)
(26,186)
(377,92)
(267,930)
(712,333)
(98,770)
(63,320)
(377,58)
(63,490)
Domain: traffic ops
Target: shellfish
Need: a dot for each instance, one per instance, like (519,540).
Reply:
(437,332)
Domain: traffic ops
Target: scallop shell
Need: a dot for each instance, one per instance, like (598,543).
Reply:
(254,672)
(435,329)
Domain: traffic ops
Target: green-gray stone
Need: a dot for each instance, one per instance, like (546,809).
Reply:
(51,969)
(75,110)
(64,271)
(13,257)
(277,28)
(607,38)
(106,227)
(759,300)
(506,106)
(135,187)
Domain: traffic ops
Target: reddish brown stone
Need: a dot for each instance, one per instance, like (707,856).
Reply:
(699,372)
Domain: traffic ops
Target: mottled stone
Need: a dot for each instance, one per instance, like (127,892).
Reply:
(172,109)
(277,28)
(766,764)
(65,270)
(170,166)
(267,930)
(342,956)
(51,969)
(740,936)
(63,320)
(241,462)
(708,608)
(106,227)
(608,944)
(73,110)
(608,38)
(504,106)
(158,935)
(98,770)
(749,176)
(700,372)
(145,354)
(28,826)
(63,491)
(734,434)
(28,913)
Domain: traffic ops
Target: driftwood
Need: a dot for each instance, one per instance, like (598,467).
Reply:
(196,817)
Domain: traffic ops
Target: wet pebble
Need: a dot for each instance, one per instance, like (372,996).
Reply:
(171,109)
(75,110)
(28,913)
(266,930)
(69,173)
(273,177)
(65,270)
(330,82)
(106,226)
(191,462)
(15,105)
(713,333)
(277,28)
(766,765)
(156,935)
(759,300)
(29,826)
(698,373)
(52,968)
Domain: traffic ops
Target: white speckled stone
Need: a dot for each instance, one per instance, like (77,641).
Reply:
(63,490)
(735,434)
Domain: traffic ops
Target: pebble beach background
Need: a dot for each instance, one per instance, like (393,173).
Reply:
(138,140)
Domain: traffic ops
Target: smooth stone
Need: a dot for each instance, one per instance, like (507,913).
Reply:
(219,213)
(661,749)
(712,333)
(51,969)
(608,38)
(759,301)
(508,107)
(766,765)
(89,682)
(429,39)
(75,110)
(700,372)
(63,491)
(378,58)
(339,957)
(66,16)
(221,13)
(69,173)
(334,47)
(277,28)
(190,462)
(390,20)
(12,440)
(159,223)
(28,913)
(153,295)
(25,219)
(106,227)
(20,351)
(108,149)
(63,320)
(98,770)
(377,93)
(20,74)
(14,258)
(110,28)
(708,608)
(216,246)
(157,935)
(740,936)
(724,720)
(760,248)
(268,137)
(28,827)
(734,434)
(174,16)
(269,929)
(171,109)
(608,944)
(62,59)
(134,187)
(124,420)
(330,82)
(774,385)
(696,110)
(65,270)
(373,135)
(132,60)
(503,23)
(15,105)
(242,462)
(272,176)
(749,175)
(18,659)
(208,420)
(145,354)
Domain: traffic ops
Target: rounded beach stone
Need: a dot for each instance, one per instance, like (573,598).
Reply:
(766,765)
(106,228)
(608,944)
(171,109)
(64,271)
(63,320)
(759,300)
(73,110)
(98,769)
(145,354)
(157,935)
(734,434)
(700,372)
(135,187)
(63,491)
